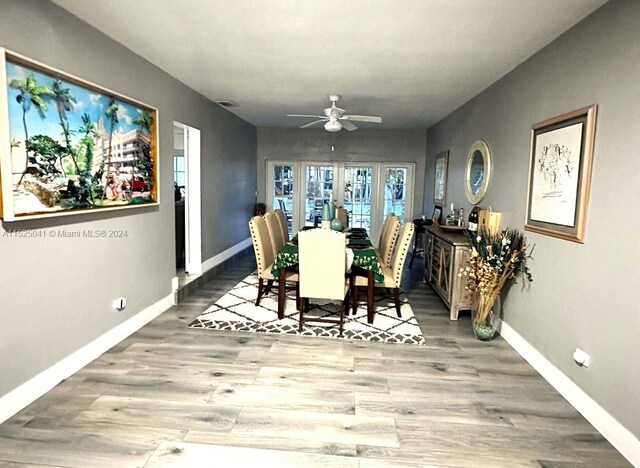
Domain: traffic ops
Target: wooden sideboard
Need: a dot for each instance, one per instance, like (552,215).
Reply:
(444,254)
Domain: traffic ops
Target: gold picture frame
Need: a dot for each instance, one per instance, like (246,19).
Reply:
(69,146)
(560,166)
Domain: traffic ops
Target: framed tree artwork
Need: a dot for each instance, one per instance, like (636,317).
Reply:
(560,174)
(440,178)
(69,146)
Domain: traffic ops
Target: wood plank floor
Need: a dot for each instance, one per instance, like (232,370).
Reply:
(173,396)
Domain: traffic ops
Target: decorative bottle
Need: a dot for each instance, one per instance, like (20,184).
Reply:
(451,217)
(326,212)
(473,219)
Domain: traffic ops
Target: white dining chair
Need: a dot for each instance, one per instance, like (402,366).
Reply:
(322,270)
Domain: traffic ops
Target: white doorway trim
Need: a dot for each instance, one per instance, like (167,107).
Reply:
(192,190)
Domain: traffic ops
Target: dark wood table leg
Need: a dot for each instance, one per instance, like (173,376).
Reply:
(282,292)
(370,287)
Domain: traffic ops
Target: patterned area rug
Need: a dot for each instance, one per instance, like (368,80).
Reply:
(236,310)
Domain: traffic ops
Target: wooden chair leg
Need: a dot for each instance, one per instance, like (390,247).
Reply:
(347,302)
(342,307)
(301,319)
(297,295)
(396,296)
(370,304)
(413,254)
(282,297)
(260,284)
(354,299)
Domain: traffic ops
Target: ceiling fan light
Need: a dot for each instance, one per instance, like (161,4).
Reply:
(333,126)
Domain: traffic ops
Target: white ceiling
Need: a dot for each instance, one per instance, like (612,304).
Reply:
(410,61)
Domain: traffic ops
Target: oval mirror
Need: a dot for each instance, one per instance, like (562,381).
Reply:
(478,172)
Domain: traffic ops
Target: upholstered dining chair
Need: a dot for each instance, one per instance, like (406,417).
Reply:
(264,257)
(284,228)
(322,269)
(392,274)
(343,215)
(275,232)
(388,239)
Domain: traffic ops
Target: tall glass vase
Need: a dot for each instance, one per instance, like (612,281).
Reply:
(485,328)
(326,212)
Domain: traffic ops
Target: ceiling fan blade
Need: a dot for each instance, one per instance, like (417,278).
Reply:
(362,118)
(348,125)
(313,123)
(305,115)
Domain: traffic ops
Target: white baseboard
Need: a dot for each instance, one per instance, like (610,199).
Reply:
(619,436)
(34,388)
(227,254)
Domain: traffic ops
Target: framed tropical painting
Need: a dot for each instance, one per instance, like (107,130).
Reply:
(69,146)
(560,174)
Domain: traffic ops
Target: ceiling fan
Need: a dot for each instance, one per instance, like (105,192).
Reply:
(335,118)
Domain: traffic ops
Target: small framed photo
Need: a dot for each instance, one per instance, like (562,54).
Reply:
(440,178)
(560,174)
(437,213)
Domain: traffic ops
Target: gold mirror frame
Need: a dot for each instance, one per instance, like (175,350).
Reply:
(475,198)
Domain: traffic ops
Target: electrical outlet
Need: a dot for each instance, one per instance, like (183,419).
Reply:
(120,303)
(581,358)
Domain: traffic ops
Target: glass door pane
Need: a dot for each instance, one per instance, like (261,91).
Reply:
(282,190)
(318,186)
(396,181)
(358,195)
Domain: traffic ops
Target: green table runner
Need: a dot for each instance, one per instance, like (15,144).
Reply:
(364,258)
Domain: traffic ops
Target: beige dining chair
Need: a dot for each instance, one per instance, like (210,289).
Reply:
(264,257)
(388,239)
(275,232)
(392,274)
(343,215)
(322,269)
(284,228)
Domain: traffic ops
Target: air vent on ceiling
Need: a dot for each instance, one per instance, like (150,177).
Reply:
(227,103)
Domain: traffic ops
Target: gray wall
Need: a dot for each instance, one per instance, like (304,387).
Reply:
(57,293)
(582,295)
(366,145)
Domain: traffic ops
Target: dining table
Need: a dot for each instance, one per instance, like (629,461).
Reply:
(365,258)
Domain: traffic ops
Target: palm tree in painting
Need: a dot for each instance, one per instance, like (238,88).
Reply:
(30,94)
(144,122)
(89,130)
(112,117)
(64,103)
(14,144)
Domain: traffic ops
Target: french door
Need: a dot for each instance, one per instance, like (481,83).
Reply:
(369,191)
(358,188)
